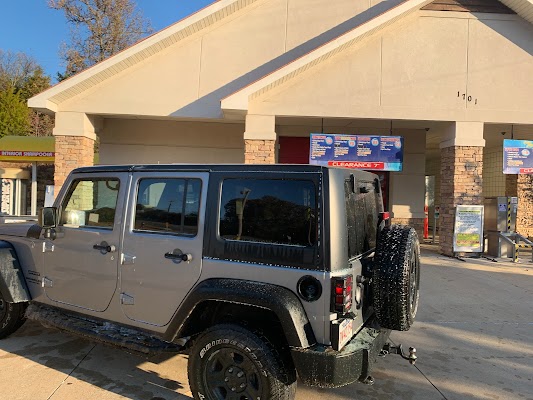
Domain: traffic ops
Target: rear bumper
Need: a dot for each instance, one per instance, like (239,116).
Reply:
(321,366)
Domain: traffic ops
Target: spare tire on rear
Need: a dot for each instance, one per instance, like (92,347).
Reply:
(396,277)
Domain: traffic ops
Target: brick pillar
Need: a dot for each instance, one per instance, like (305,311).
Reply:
(71,152)
(511,186)
(461,183)
(75,134)
(524,219)
(260,139)
(259,151)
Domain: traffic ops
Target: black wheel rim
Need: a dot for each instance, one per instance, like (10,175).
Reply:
(413,282)
(3,309)
(231,374)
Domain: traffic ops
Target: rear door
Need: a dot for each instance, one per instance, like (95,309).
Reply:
(162,246)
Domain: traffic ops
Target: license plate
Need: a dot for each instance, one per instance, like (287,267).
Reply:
(345,332)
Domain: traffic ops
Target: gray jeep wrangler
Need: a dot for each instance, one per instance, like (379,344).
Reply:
(261,273)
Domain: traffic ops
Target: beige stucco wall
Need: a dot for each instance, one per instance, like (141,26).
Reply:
(152,141)
(189,78)
(419,68)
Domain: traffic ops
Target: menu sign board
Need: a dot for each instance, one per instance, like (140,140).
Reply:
(517,156)
(380,153)
(468,229)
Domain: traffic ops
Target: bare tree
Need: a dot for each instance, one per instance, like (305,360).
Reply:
(99,29)
(15,68)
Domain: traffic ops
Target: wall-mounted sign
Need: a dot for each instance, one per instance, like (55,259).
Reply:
(468,229)
(517,156)
(27,149)
(379,153)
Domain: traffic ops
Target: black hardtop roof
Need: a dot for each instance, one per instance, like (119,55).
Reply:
(212,168)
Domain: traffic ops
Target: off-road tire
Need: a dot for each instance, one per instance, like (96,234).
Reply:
(396,277)
(11,317)
(227,357)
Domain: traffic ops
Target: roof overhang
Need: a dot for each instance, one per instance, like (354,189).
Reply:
(524,8)
(49,100)
(238,102)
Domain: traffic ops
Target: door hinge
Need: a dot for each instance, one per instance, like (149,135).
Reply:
(128,259)
(47,246)
(47,282)
(126,299)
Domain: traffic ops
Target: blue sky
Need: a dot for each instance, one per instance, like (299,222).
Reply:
(31,27)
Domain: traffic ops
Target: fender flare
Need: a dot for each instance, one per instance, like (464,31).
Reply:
(12,283)
(280,300)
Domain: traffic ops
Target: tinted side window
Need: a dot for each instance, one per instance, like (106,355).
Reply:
(91,202)
(269,210)
(362,217)
(168,205)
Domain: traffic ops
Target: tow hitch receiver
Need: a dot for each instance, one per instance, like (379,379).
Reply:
(390,349)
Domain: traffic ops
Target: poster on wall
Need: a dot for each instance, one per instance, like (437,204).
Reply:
(517,156)
(468,229)
(378,153)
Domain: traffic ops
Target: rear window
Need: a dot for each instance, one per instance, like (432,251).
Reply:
(361,215)
(269,210)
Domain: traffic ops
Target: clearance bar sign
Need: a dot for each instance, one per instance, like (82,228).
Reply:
(375,153)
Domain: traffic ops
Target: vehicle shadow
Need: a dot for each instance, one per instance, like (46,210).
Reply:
(62,366)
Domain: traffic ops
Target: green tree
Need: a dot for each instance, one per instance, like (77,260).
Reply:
(14,114)
(99,29)
(21,78)
(40,124)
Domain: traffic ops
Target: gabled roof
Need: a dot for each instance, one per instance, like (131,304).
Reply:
(220,9)
(238,101)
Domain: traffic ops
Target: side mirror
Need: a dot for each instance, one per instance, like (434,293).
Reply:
(49,217)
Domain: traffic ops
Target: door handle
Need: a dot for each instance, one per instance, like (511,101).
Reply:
(178,256)
(105,248)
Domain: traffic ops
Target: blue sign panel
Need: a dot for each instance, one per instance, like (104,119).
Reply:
(378,153)
(517,156)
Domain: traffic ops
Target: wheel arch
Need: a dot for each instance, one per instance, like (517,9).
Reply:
(218,295)
(12,283)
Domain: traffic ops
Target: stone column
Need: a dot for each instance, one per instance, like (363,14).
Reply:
(461,175)
(75,135)
(524,219)
(511,186)
(260,139)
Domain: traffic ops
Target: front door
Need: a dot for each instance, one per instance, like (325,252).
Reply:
(81,262)
(162,247)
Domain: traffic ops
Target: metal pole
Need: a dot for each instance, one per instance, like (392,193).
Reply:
(17,196)
(33,188)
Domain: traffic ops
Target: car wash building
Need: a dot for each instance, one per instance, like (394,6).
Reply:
(251,80)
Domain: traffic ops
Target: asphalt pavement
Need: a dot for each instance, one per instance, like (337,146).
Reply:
(473,333)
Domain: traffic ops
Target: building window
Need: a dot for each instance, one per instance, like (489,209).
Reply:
(168,206)
(269,210)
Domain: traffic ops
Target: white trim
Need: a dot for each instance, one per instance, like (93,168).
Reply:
(239,99)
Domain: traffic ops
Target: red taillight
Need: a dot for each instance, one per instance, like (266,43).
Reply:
(342,294)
